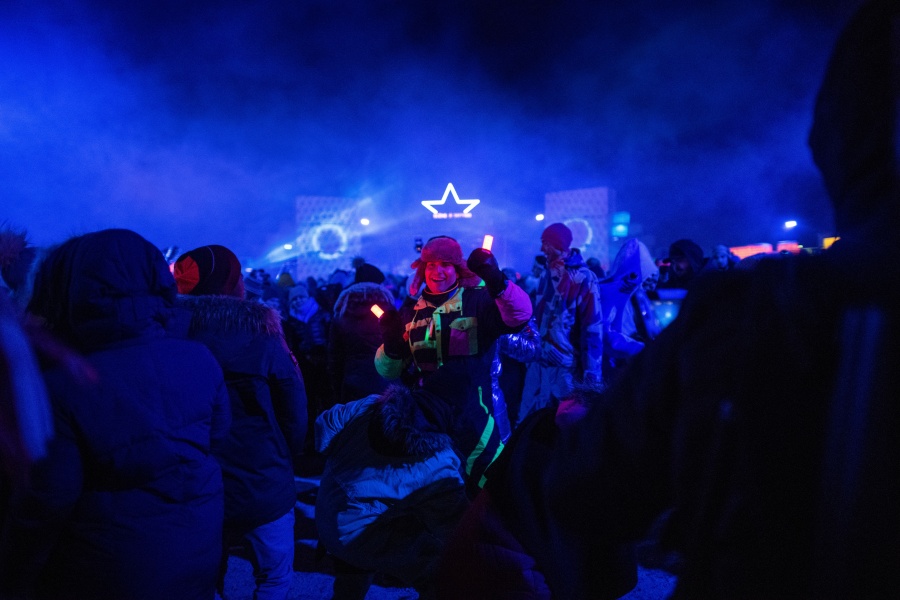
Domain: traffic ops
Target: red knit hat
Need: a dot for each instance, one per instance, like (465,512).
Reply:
(442,249)
(557,235)
(209,271)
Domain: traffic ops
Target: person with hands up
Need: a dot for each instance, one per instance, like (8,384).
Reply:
(448,333)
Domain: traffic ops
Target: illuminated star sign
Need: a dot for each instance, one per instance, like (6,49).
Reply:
(469,204)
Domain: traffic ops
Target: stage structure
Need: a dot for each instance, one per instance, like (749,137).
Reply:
(587,213)
(329,235)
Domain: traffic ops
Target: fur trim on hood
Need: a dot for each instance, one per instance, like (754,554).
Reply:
(409,423)
(210,313)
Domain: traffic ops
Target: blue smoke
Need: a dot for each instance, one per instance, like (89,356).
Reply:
(201,122)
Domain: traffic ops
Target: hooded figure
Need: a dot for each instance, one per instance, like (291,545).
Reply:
(764,419)
(391,492)
(127,502)
(268,406)
(631,269)
(353,340)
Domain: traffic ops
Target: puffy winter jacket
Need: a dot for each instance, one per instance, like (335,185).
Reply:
(268,405)
(391,492)
(128,501)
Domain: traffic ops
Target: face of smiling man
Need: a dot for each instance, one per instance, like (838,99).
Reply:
(439,277)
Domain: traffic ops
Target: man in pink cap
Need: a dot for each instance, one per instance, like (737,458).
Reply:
(570,323)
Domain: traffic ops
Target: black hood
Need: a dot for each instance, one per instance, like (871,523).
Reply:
(104,287)
(358,299)
(854,138)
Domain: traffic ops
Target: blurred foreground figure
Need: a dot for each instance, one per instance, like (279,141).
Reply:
(25,421)
(484,559)
(766,415)
(127,502)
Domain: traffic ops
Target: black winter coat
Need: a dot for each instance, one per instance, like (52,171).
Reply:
(765,414)
(268,405)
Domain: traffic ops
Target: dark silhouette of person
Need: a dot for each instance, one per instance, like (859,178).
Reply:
(765,417)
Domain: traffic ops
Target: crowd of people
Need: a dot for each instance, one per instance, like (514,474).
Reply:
(482,434)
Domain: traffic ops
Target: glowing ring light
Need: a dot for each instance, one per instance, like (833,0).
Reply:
(317,244)
(587,227)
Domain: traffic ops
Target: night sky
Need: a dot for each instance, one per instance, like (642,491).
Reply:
(200,122)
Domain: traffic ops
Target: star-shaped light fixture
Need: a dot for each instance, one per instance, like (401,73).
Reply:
(430,204)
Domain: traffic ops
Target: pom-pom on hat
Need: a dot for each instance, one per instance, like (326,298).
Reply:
(442,249)
(557,235)
(209,271)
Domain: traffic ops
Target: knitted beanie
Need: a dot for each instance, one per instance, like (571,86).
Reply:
(369,274)
(442,249)
(209,271)
(557,235)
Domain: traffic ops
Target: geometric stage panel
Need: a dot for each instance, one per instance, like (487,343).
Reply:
(587,213)
(328,237)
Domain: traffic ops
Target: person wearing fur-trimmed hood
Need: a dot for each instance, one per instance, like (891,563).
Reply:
(392,491)
(268,405)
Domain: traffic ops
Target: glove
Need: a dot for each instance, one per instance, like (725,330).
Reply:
(392,331)
(483,263)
